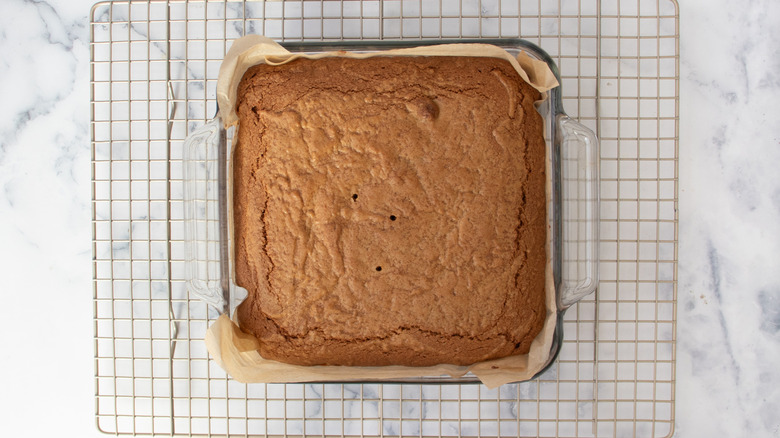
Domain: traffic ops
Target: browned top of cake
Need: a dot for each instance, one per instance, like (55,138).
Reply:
(390,210)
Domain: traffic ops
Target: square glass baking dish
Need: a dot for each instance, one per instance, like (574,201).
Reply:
(572,210)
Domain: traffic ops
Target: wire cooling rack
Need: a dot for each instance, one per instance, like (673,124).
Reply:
(153,77)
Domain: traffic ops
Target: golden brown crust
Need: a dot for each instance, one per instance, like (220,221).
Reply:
(390,210)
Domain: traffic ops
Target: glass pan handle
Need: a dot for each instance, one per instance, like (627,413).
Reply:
(580,211)
(201,214)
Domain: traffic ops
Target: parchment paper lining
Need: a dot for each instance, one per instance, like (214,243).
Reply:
(255,49)
(236,351)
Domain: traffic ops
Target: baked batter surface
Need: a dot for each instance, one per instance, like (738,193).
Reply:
(390,210)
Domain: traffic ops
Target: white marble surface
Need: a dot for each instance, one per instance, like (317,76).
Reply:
(729,281)
(728,382)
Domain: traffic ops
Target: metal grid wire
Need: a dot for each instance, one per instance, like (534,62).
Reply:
(154,69)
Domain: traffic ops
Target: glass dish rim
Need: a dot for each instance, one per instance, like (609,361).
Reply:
(553,116)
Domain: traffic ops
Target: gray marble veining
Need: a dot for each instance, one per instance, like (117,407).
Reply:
(728,344)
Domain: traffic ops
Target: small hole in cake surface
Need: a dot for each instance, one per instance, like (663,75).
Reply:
(392,217)
(378,268)
(354,196)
